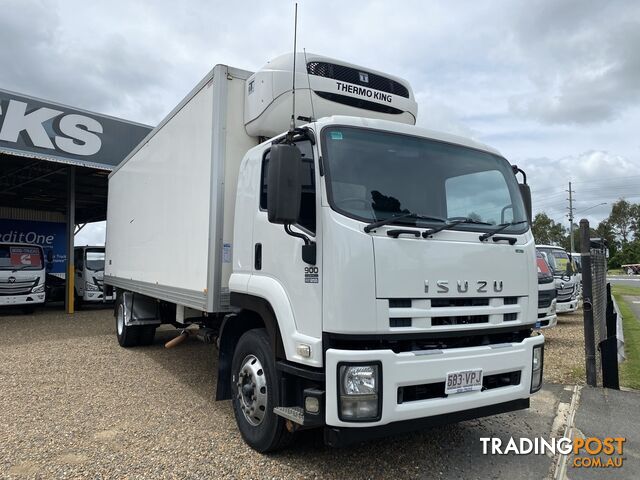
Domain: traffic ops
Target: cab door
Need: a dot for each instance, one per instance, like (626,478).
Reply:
(278,255)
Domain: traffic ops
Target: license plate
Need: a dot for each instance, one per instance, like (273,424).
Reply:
(463,381)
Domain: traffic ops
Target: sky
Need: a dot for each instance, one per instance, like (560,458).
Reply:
(554,86)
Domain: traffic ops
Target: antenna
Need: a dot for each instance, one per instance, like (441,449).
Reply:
(313,113)
(293,88)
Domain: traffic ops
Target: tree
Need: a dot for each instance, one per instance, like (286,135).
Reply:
(547,232)
(621,219)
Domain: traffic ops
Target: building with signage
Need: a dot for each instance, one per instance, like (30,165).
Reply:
(54,165)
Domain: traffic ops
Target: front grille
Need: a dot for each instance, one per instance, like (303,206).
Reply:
(413,393)
(17,288)
(399,303)
(399,322)
(355,76)
(460,320)
(545,297)
(564,294)
(452,311)
(359,103)
(459,302)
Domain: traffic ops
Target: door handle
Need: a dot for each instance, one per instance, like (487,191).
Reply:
(257,256)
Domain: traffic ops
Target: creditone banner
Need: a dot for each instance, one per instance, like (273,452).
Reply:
(51,236)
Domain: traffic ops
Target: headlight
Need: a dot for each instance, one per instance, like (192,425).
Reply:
(90,287)
(38,288)
(536,368)
(359,392)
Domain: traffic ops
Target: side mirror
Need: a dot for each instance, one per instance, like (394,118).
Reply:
(525,192)
(284,185)
(49,256)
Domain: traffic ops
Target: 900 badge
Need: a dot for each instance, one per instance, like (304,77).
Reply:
(311,274)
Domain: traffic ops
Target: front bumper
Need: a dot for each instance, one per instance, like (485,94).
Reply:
(565,307)
(408,369)
(547,317)
(96,296)
(547,321)
(28,299)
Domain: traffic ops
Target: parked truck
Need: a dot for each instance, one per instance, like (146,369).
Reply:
(359,274)
(547,317)
(566,278)
(89,275)
(22,276)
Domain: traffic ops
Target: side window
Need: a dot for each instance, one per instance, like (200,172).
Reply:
(307,216)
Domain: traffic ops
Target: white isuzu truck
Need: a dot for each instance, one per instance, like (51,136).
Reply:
(359,273)
(22,275)
(89,275)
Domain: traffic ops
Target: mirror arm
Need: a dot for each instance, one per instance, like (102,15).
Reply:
(287,228)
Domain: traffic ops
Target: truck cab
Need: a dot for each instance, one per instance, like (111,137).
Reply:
(409,291)
(546,294)
(22,276)
(89,275)
(566,280)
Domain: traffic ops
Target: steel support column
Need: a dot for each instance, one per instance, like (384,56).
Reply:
(71,225)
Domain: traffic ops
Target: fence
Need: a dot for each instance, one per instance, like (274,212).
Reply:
(599,313)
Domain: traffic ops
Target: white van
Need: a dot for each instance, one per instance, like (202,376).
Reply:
(22,275)
(89,276)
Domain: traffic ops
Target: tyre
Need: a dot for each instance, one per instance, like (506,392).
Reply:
(128,336)
(254,382)
(146,334)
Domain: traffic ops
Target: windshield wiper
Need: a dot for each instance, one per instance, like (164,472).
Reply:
(500,228)
(394,218)
(21,267)
(450,223)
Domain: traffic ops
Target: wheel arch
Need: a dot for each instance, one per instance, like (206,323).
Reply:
(256,312)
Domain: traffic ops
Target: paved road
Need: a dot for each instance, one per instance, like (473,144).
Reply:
(628,280)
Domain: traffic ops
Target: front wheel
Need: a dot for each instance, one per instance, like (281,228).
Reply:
(254,382)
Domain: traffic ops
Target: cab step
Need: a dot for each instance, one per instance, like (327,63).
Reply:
(295,414)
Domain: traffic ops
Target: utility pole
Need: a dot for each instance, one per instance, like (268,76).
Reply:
(572,246)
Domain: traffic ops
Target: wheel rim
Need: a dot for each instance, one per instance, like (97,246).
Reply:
(252,390)
(120,320)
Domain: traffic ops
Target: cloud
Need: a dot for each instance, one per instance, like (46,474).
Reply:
(597,177)
(581,58)
(543,81)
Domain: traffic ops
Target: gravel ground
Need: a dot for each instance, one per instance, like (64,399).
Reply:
(76,405)
(564,350)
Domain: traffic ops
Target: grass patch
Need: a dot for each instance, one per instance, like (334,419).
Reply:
(615,271)
(630,368)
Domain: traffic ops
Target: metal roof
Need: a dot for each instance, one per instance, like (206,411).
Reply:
(40,139)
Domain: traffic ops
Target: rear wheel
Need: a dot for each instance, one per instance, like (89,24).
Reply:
(254,383)
(128,336)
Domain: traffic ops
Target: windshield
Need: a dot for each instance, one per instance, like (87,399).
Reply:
(20,257)
(558,260)
(94,259)
(373,175)
(544,272)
